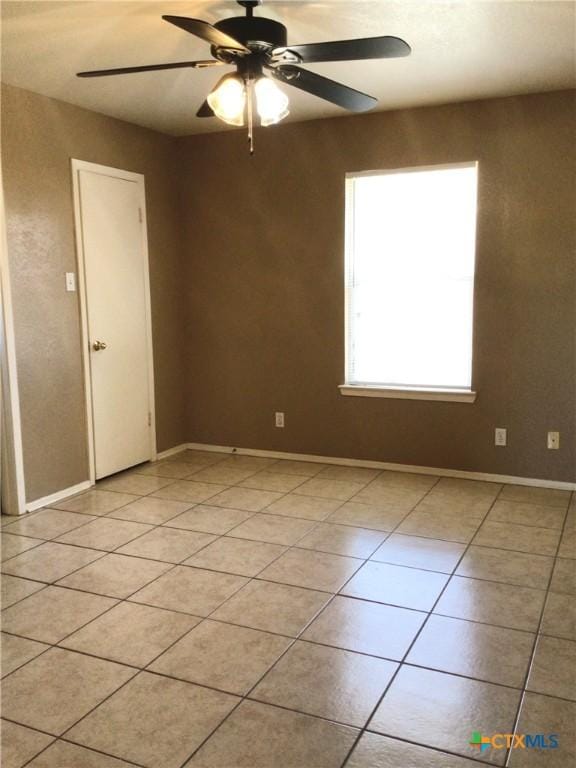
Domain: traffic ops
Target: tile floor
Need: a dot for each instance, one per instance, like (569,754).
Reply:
(217,611)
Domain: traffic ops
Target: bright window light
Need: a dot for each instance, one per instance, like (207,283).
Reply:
(410,248)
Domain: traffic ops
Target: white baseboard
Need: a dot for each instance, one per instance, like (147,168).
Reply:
(465,474)
(32,506)
(171,451)
(231,449)
(45,501)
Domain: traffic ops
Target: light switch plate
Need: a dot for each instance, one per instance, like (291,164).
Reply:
(70,281)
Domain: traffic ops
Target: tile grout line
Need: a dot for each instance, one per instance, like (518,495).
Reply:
(413,642)
(273,461)
(119,600)
(276,634)
(267,704)
(293,640)
(154,526)
(227,533)
(50,583)
(536,638)
(138,670)
(58,739)
(109,515)
(365,559)
(302,630)
(110,608)
(430,748)
(321,610)
(53,540)
(255,577)
(326,521)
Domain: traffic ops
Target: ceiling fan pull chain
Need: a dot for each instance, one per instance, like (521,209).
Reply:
(249,93)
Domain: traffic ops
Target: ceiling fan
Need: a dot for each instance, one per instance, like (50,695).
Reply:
(258,48)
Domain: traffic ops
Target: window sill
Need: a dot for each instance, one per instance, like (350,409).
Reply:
(415,393)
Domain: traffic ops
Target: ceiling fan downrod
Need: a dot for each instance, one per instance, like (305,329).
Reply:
(249,5)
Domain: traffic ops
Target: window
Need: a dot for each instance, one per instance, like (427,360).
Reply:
(410,246)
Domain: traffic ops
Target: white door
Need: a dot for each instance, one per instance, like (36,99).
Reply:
(117,316)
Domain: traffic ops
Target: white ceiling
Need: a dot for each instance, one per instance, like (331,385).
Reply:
(461,51)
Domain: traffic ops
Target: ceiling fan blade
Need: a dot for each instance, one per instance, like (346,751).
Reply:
(205,111)
(330,90)
(347,50)
(150,68)
(206,31)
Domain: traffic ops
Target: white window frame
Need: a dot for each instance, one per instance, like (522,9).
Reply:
(381,390)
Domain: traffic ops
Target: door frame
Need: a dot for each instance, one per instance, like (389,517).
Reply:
(138,178)
(13,482)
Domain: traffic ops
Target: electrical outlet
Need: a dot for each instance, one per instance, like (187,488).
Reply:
(554,441)
(500,436)
(70,281)
(279,419)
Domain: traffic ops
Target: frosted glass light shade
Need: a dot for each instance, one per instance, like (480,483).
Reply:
(228,100)
(271,102)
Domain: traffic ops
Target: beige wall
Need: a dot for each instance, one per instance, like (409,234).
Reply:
(39,136)
(257,322)
(264,239)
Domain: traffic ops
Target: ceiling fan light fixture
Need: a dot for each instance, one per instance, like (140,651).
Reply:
(271,102)
(255,44)
(228,99)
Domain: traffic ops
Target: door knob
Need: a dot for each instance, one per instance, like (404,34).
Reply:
(98,345)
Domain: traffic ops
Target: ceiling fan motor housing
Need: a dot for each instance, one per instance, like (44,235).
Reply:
(254,32)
